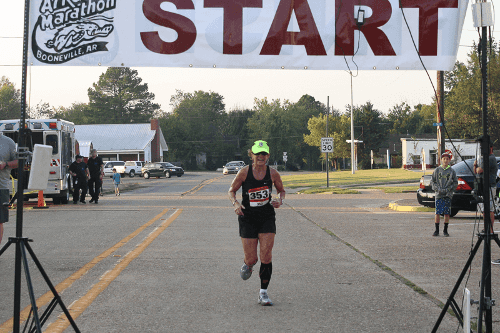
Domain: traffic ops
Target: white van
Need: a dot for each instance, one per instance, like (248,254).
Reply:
(108,167)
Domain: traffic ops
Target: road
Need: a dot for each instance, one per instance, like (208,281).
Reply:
(166,258)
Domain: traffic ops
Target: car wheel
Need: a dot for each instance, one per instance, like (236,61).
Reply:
(167,174)
(454,212)
(132,173)
(146,175)
(179,175)
(56,200)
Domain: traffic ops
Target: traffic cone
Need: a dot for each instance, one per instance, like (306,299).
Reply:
(41,201)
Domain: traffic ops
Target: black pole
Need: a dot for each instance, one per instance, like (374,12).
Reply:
(485,303)
(20,173)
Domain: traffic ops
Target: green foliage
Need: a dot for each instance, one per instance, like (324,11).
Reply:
(41,111)
(10,100)
(283,126)
(119,97)
(368,127)
(77,113)
(463,107)
(195,128)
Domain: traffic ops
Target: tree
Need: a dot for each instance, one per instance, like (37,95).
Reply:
(10,100)
(119,97)
(339,128)
(77,113)
(283,126)
(195,127)
(367,128)
(403,119)
(41,111)
(463,98)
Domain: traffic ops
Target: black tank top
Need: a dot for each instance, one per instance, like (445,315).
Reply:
(257,194)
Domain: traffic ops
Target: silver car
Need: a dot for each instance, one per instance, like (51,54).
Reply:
(232,167)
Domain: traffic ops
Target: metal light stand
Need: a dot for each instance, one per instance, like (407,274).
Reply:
(21,242)
(485,302)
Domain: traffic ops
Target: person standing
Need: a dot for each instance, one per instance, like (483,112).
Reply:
(117,179)
(8,161)
(256,215)
(491,183)
(96,170)
(78,169)
(444,181)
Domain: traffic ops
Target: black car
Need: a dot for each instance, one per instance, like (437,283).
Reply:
(172,170)
(161,169)
(462,198)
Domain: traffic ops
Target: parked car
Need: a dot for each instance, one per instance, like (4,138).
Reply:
(161,169)
(463,198)
(172,170)
(130,168)
(108,167)
(232,167)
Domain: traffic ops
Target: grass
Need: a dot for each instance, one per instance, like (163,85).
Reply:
(397,189)
(338,178)
(332,190)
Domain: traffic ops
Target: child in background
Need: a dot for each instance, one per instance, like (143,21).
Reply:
(116,180)
(444,182)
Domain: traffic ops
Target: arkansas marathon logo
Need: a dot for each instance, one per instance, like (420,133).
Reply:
(69,29)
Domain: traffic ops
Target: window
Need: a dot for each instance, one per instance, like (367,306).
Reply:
(51,140)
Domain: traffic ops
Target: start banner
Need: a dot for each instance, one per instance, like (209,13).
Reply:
(287,34)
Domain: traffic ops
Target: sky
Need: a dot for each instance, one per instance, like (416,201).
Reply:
(62,86)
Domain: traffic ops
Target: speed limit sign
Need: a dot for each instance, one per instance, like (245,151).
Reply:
(327,145)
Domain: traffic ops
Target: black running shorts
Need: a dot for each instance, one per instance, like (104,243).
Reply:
(252,227)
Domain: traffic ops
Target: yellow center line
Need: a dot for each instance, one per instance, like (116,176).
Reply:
(48,296)
(77,308)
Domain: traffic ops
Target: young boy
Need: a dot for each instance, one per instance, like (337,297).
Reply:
(444,182)
(116,180)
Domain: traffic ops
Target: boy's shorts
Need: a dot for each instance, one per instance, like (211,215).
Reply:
(443,206)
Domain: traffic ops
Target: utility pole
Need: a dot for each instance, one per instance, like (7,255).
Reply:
(440,114)
(326,136)
(353,154)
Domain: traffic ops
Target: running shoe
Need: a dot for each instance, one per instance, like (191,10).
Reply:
(435,233)
(446,234)
(246,271)
(496,262)
(264,299)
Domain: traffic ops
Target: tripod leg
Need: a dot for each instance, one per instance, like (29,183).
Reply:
(457,285)
(30,288)
(52,288)
(5,247)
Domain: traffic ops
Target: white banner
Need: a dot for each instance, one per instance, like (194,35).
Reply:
(288,34)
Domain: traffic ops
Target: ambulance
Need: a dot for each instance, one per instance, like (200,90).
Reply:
(60,134)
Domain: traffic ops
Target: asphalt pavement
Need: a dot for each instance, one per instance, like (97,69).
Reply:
(342,263)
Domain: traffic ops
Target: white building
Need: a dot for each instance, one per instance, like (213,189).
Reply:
(125,142)
(414,151)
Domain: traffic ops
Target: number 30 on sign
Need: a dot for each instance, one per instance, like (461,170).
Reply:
(327,145)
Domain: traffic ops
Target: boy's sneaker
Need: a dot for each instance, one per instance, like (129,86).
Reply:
(496,262)
(264,299)
(435,233)
(446,234)
(246,271)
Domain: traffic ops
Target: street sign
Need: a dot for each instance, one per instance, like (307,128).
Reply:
(437,124)
(327,145)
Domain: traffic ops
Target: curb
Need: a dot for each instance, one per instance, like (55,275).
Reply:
(394,206)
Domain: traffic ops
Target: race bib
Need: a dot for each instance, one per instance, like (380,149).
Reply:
(259,196)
